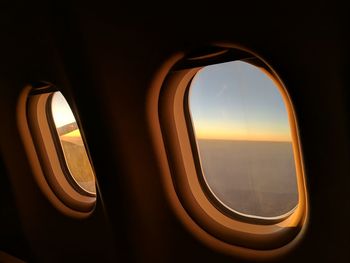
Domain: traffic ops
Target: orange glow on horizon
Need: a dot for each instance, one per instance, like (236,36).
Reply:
(242,137)
(228,132)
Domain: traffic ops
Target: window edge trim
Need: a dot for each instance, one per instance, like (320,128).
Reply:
(155,126)
(36,166)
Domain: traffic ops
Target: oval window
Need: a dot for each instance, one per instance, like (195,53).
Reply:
(72,145)
(232,161)
(243,138)
(58,154)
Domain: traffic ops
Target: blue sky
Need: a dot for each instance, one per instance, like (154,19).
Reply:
(238,101)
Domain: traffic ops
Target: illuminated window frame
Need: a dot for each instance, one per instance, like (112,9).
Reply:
(45,153)
(220,228)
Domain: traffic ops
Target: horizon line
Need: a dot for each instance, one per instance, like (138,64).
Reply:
(242,140)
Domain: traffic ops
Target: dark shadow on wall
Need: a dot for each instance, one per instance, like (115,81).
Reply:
(12,240)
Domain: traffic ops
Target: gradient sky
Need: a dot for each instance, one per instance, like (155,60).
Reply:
(61,112)
(237,101)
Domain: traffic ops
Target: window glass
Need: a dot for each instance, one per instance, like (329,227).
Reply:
(73,148)
(243,138)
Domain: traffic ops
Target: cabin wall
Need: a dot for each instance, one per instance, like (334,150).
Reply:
(105,58)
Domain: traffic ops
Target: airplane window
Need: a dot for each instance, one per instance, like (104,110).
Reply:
(232,159)
(73,148)
(56,150)
(243,138)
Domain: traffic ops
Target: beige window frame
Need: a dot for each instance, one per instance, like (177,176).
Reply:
(205,217)
(45,153)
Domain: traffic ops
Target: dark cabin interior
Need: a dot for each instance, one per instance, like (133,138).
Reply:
(104,57)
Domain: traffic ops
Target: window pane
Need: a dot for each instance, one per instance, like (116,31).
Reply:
(72,144)
(243,139)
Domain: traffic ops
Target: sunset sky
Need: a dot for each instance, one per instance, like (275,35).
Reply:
(62,114)
(237,101)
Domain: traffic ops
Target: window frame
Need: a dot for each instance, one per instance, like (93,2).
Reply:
(180,167)
(220,205)
(41,142)
(70,178)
